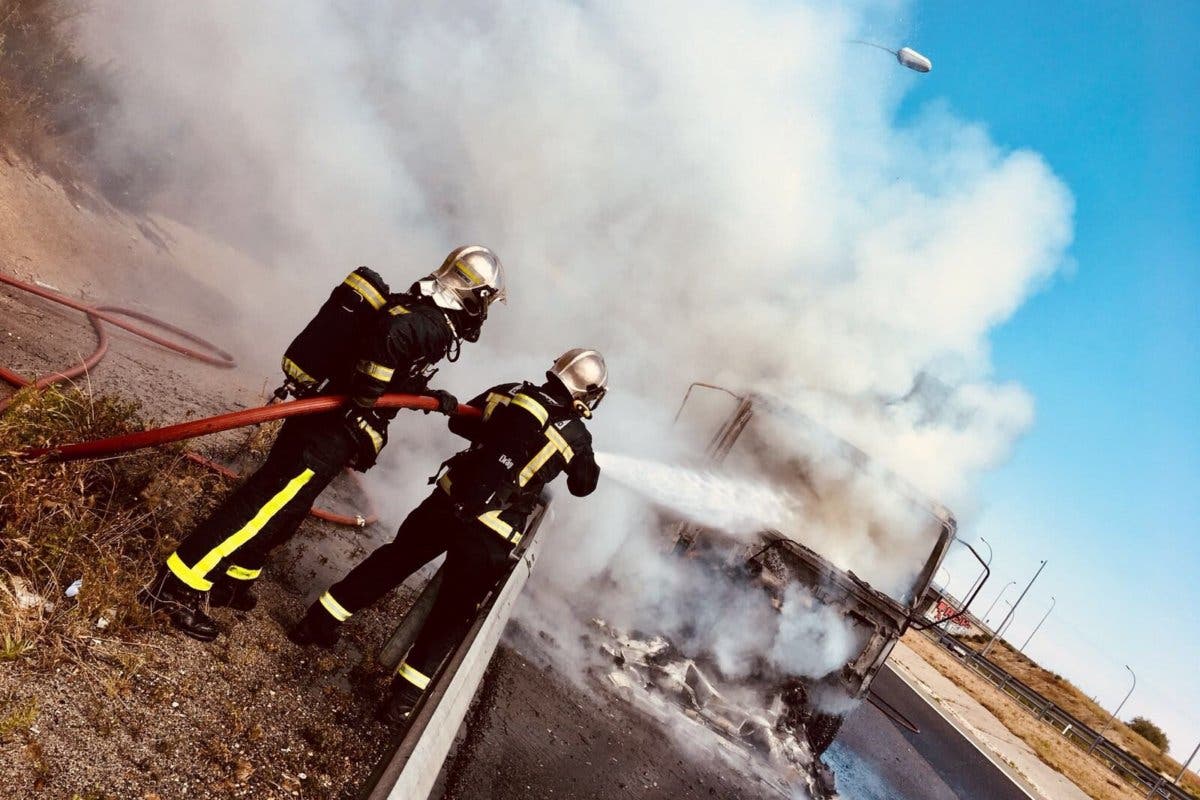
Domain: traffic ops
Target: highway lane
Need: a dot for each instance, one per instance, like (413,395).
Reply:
(535,736)
(876,759)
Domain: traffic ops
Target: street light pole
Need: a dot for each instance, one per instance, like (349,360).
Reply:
(1178,777)
(1021,649)
(997,600)
(1009,621)
(1114,714)
(1013,610)
(978,580)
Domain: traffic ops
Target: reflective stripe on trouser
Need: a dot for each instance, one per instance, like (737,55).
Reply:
(413,676)
(320,443)
(335,609)
(241,573)
(196,575)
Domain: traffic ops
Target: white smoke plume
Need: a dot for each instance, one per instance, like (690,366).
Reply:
(711,190)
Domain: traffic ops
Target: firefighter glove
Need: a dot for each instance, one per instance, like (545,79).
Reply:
(446,402)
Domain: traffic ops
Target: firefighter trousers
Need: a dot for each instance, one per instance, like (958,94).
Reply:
(476,557)
(267,509)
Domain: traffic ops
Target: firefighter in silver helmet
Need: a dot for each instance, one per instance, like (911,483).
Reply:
(364,342)
(526,436)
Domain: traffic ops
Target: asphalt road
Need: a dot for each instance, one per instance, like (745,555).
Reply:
(531,735)
(876,759)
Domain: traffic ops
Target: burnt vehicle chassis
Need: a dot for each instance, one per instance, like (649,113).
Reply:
(778,561)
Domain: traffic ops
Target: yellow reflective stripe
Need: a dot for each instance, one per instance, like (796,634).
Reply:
(187,574)
(444,483)
(532,406)
(241,573)
(560,443)
(416,678)
(335,609)
(369,293)
(493,521)
(470,274)
(536,463)
(396,311)
(292,370)
(251,528)
(494,400)
(376,439)
(377,371)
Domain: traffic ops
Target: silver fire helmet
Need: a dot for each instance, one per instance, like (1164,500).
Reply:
(585,375)
(470,279)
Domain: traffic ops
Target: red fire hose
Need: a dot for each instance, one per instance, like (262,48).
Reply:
(185,430)
(224,422)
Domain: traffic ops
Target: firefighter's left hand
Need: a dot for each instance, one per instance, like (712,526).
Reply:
(446,402)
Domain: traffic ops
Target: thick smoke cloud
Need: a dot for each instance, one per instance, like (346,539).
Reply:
(709,190)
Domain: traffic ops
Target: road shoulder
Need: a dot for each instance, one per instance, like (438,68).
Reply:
(1012,754)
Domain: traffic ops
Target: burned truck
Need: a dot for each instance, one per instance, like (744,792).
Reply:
(863,548)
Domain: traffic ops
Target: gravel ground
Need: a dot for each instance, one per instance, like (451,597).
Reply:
(250,715)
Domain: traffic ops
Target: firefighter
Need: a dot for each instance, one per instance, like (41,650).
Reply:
(527,435)
(394,351)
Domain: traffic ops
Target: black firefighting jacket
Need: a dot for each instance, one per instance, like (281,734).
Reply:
(408,335)
(528,434)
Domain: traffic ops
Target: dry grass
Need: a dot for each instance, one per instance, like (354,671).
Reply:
(1081,769)
(50,99)
(107,522)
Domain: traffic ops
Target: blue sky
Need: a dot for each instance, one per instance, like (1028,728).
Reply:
(1106,485)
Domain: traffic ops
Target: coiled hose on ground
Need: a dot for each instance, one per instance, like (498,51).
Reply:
(184,430)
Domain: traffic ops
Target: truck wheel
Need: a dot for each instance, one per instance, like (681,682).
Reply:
(822,730)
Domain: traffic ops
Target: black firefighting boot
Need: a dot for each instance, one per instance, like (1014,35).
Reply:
(316,627)
(182,605)
(399,708)
(232,593)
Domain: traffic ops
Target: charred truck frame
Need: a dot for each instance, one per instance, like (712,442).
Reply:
(777,561)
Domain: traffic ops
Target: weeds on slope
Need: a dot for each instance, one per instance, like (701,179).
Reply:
(107,522)
(51,100)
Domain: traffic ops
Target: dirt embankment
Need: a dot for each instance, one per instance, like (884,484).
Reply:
(140,712)
(1068,696)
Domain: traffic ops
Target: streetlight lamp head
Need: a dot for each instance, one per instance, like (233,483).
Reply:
(913,60)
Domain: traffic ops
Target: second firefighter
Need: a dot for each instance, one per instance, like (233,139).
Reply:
(528,434)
